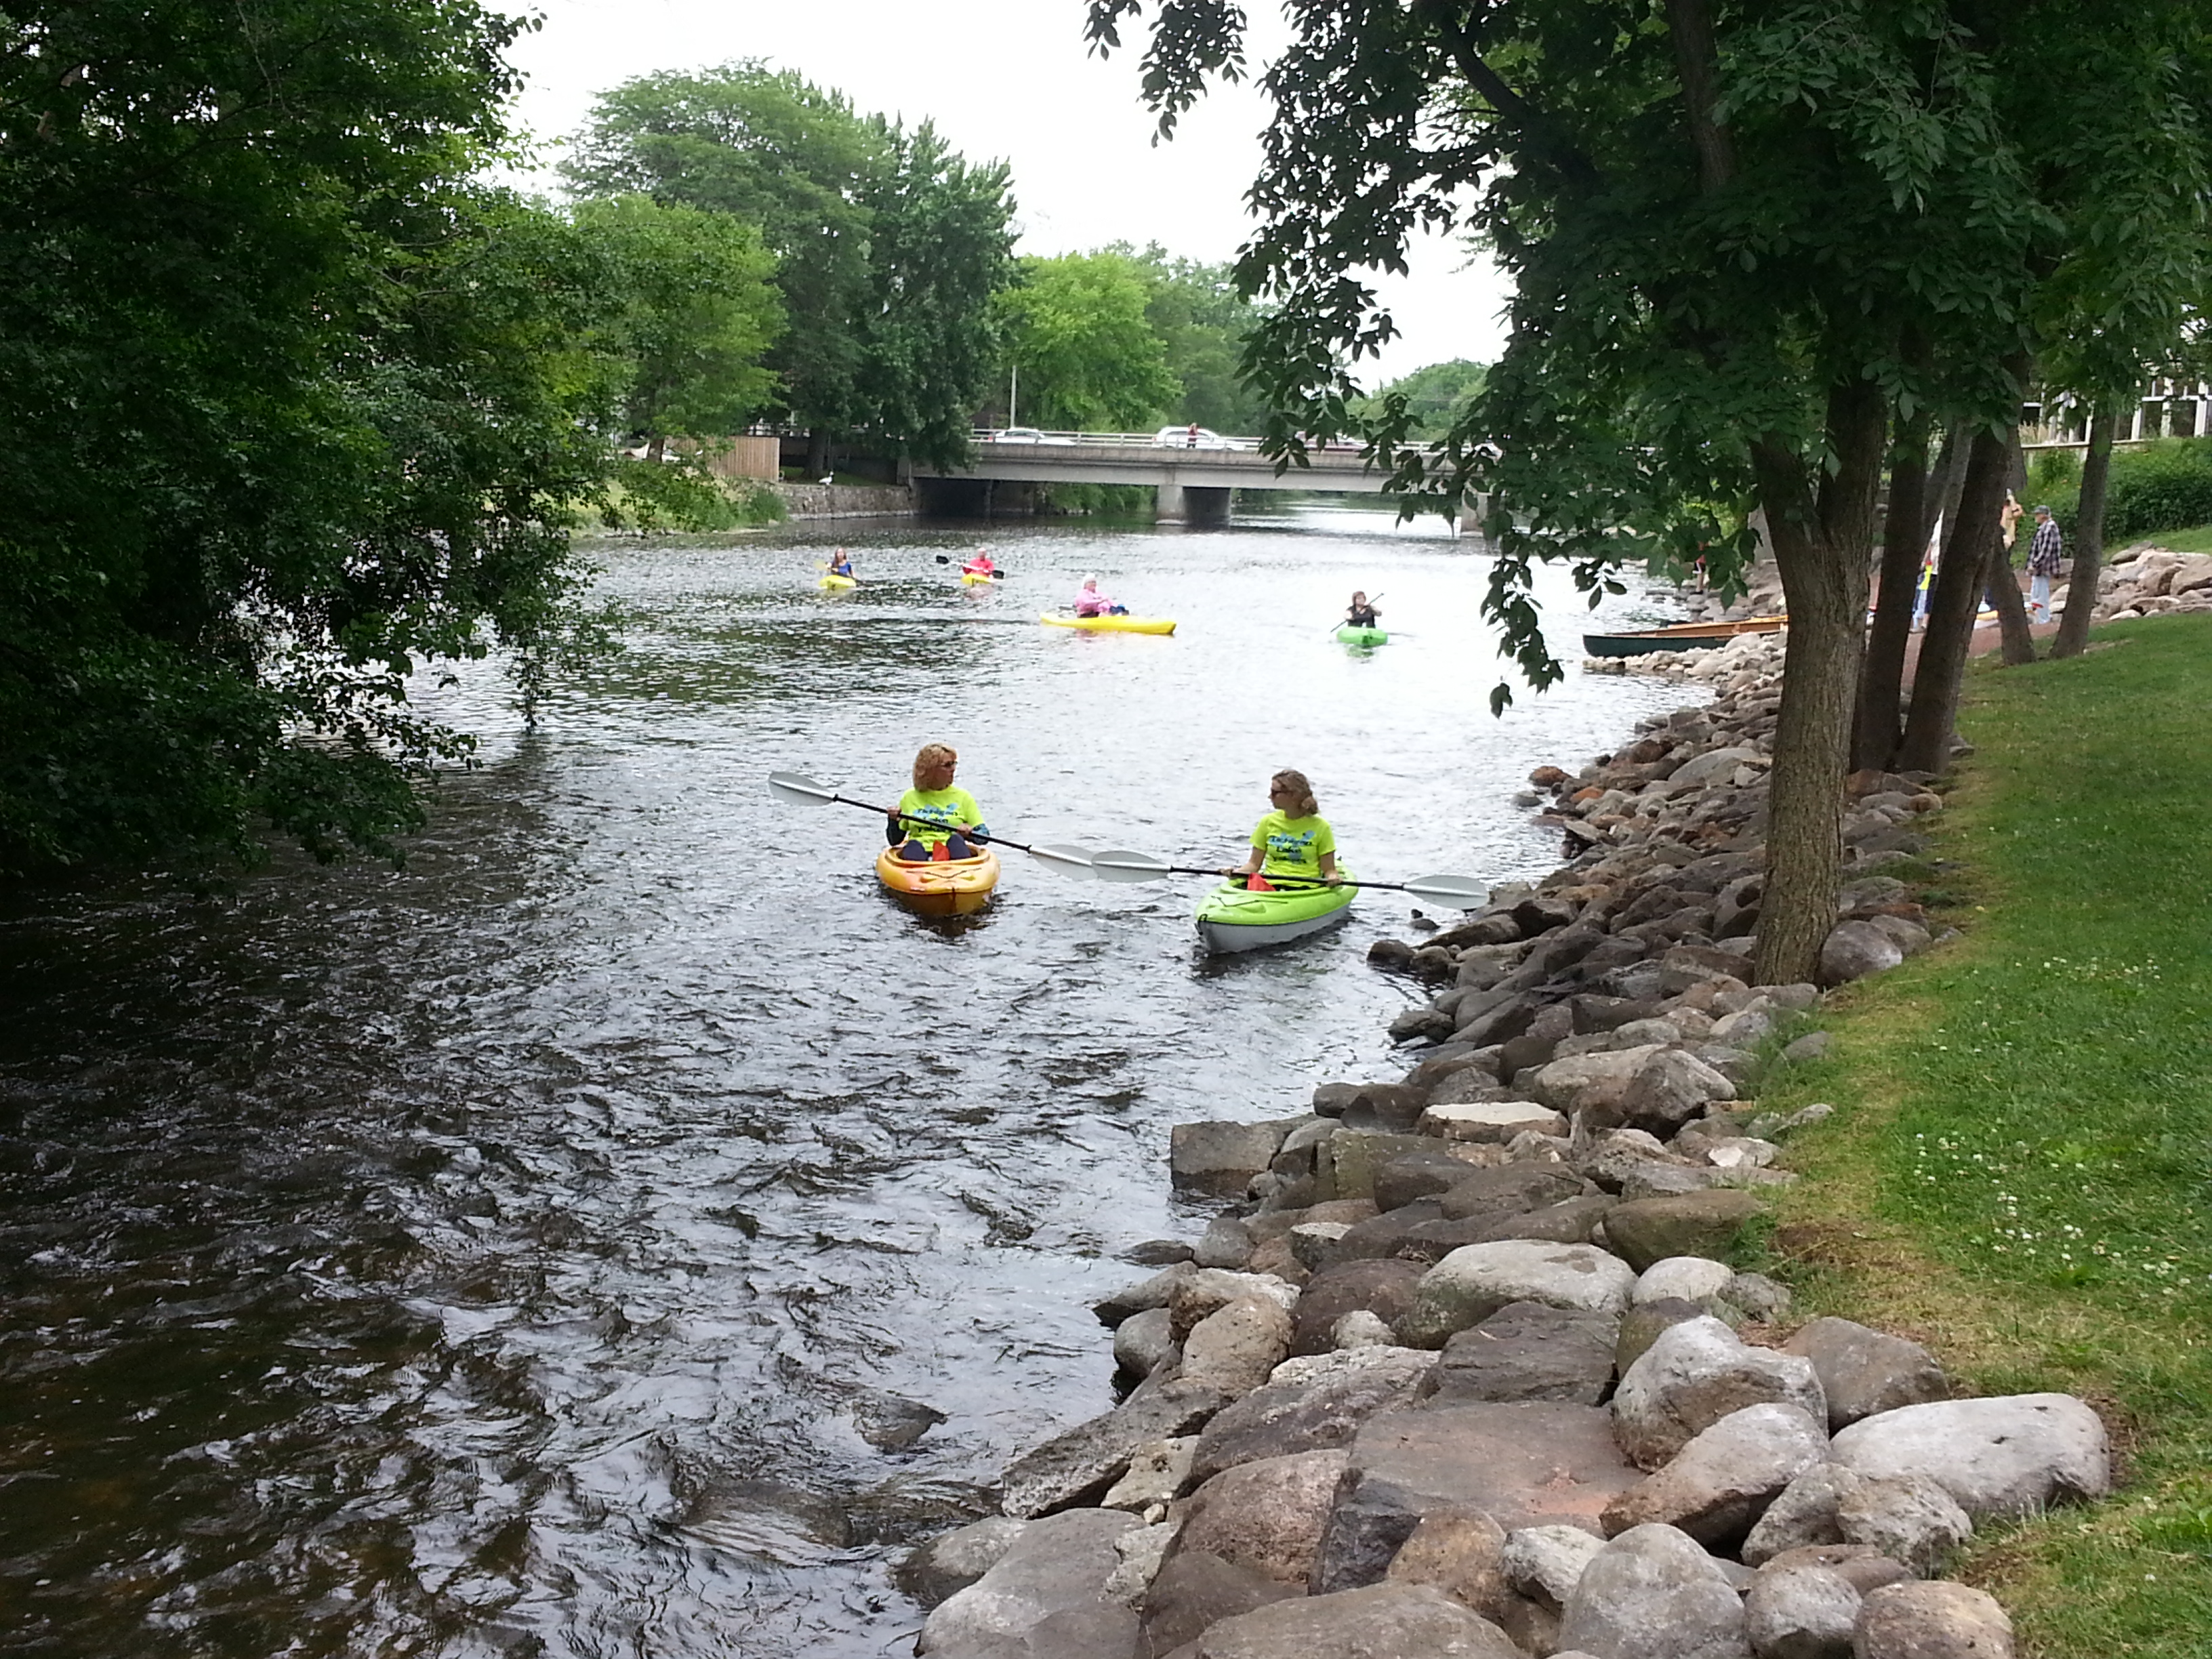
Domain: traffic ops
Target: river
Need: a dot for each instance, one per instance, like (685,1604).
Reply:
(545,1249)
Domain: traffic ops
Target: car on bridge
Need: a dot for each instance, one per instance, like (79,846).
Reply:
(1189,437)
(1028,434)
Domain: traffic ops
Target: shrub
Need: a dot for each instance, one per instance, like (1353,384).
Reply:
(2165,485)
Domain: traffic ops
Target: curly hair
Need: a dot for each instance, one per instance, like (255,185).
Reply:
(932,754)
(1305,807)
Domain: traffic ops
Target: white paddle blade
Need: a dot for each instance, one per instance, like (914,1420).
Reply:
(1073,862)
(791,786)
(1453,892)
(1129,866)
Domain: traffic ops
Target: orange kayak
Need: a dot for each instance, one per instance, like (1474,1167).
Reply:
(954,887)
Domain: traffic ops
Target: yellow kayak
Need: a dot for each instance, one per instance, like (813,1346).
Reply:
(970,578)
(1113,624)
(951,887)
(837,584)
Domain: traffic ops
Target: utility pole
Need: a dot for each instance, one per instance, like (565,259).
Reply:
(1013,389)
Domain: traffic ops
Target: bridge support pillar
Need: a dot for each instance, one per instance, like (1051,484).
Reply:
(1168,500)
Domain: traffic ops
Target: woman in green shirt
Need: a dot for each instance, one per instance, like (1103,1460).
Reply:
(948,816)
(1292,840)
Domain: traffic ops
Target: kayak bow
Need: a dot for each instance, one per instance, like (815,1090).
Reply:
(1233,918)
(948,887)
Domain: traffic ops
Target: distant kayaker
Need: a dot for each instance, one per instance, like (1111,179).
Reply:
(949,816)
(1360,613)
(841,563)
(1292,840)
(1090,602)
(981,565)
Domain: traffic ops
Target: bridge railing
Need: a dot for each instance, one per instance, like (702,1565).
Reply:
(1215,444)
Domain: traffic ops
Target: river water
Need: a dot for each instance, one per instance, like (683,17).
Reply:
(545,1249)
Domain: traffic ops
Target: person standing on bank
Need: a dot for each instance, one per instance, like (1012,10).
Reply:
(2044,554)
(1293,840)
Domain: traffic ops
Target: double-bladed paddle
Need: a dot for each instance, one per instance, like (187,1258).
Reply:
(1348,622)
(804,791)
(996,574)
(1453,892)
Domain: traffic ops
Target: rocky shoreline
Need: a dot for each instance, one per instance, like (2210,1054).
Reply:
(1463,1366)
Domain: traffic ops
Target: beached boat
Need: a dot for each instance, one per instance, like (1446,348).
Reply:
(1682,636)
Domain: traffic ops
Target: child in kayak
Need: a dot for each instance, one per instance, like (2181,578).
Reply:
(1090,601)
(1361,614)
(841,563)
(949,816)
(1292,840)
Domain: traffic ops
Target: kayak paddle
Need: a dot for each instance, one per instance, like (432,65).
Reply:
(1072,861)
(996,574)
(1454,892)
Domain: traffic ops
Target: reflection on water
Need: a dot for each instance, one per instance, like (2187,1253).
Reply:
(622,1231)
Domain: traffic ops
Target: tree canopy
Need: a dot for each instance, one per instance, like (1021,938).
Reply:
(1433,397)
(889,245)
(1743,237)
(290,406)
(1077,327)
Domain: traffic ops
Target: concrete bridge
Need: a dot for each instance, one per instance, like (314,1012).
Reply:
(1193,483)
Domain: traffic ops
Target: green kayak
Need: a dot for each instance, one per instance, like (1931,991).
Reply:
(1348,635)
(1231,918)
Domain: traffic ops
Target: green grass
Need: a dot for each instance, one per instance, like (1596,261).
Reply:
(2198,540)
(2020,1170)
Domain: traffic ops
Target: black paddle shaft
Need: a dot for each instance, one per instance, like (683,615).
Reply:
(893,812)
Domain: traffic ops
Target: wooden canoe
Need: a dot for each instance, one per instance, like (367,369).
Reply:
(1682,636)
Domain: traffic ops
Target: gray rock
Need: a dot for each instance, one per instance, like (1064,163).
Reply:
(1396,1619)
(1081,1466)
(1855,949)
(1547,1562)
(1653,1594)
(1382,1286)
(1669,1089)
(1204,1291)
(1158,1474)
(1683,1279)
(1595,1082)
(1458,1552)
(1361,1330)
(1803,1515)
(1864,1570)
(1143,1342)
(1695,1374)
(1142,1549)
(1810,1046)
(1528,1351)
(1143,1296)
(1649,1229)
(1865,1372)
(1490,1196)
(1226,1242)
(1193,1591)
(951,1561)
(1800,1613)
(1392,1107)
(1475,1281)
(1571,1223)
(1233,1349)
(1314,1242)
(1267,1516)
(1772,1125)
(1714,766)
(1640,1326)
(1931,1620)
(1108,1630)
(1221,1159)
(1497,1120)
(1157,1253)
(1757,1297)
(1909,1518)
(1353,1156)
(1057,1564)
(1289,1417)
(2010,1457)
(1718,1484)
(1429,1173)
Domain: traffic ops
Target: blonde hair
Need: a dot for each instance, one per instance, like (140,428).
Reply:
(932,755)
(1306,806)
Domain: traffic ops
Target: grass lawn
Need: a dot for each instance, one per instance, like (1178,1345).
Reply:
(2198,540)
(2018,1172)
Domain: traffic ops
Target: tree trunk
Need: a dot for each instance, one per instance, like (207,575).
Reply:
(2088,536)
(1904,535)
(1822,552)
(817,453)
(2003,584)
(1950,631)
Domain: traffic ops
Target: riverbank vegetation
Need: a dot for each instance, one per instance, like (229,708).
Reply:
(2016,1169)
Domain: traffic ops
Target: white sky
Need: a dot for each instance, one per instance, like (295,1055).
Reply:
(1003,79)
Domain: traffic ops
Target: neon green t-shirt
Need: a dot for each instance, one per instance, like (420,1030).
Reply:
(1293,847)
(949,809)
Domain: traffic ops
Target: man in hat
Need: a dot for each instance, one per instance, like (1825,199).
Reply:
(2043,556)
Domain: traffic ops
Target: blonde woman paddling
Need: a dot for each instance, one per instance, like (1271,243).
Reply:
(1293,840)
(935,819)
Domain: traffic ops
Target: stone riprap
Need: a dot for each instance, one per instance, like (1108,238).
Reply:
(1449,1332)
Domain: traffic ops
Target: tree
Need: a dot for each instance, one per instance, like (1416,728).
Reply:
(1076,329)
(1433,397)
(1720,222)
(940,246)
(1204,325)
(289,408)
(696,313)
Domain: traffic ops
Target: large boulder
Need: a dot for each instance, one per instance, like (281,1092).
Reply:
(1296,1416)
(1489,1120)
(1381,1286)
(1653,1594)
(1514,1189)
(1855,949)
(1931,1620)
(1221,1159)
(1802,1515)
(1347,1163)
(1595,1082)
(1669,1089)
(1144,1342)
(1528,1351)
(1459,1552)
(1865,1372)
(1476,1281)
(1643,1230)
(1193,1591)
(1059,1563)
(1547,1563)
(1395,1620)
(1158,1472)
(1718,1484)
(2010,1457)
(951,1561)
(1081,1465)
(1908,1518)
(1800,1613)
(1695,1374)
(1233,1349)
(1204,1291)
(1267,1516)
